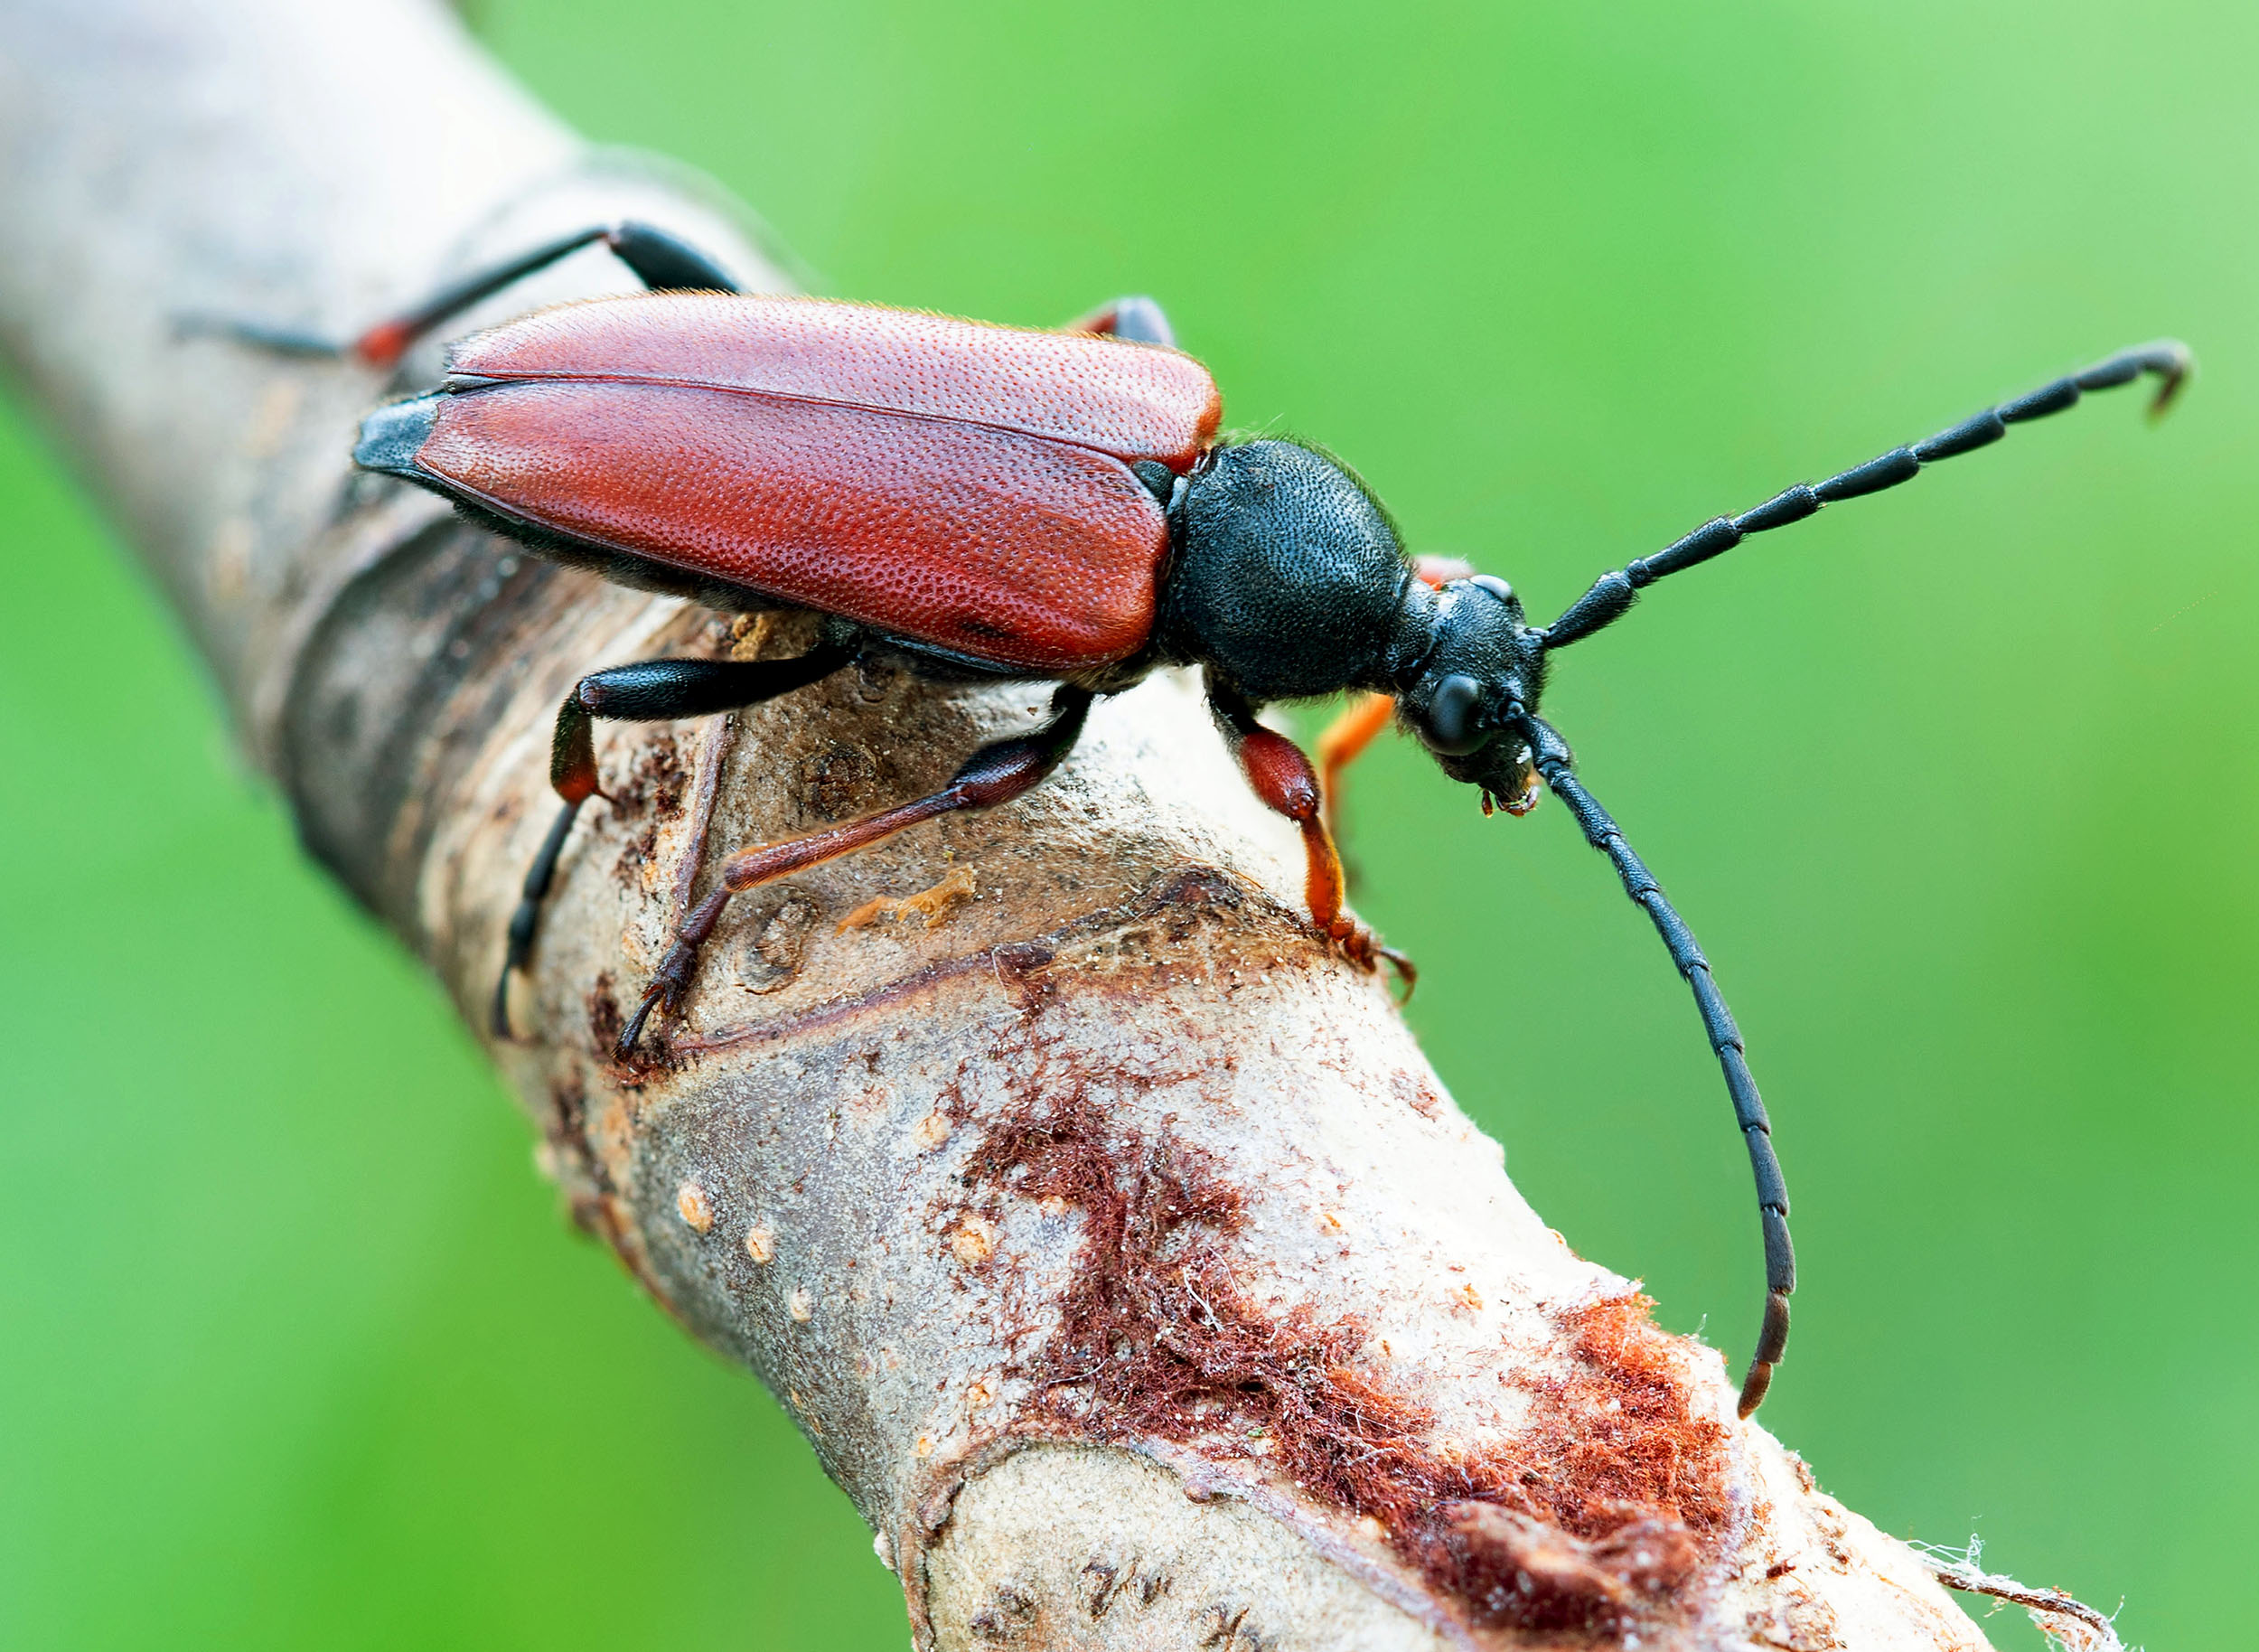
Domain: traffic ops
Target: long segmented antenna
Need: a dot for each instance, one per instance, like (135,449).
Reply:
(1550,754)
(1612,594)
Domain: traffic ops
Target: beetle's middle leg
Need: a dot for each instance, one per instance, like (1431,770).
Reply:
(1283,778)
(653,691)
(1360,723)
(995,773)
(1133,318)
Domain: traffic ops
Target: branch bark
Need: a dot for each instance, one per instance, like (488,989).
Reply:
(1108,1239)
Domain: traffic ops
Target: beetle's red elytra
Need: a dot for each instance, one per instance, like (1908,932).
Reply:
(982,502)
(962,484)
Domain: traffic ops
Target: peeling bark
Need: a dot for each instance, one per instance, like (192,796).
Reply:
(1107,1236)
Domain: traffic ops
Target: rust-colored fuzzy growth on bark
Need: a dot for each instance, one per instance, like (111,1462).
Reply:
(1590,1518)
(1609,1499)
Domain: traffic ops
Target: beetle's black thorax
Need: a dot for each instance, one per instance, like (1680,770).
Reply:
(1288,579)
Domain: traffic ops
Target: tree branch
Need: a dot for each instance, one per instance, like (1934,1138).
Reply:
(1107,1237)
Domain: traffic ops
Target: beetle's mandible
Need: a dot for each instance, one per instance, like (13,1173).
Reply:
(989,502)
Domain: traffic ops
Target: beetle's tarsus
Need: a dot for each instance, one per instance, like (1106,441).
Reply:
(664,992)
(1407,974)
(282,340)
(623,1047)
(1362,948)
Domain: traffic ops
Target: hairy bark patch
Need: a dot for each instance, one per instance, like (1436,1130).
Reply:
(1596,1512)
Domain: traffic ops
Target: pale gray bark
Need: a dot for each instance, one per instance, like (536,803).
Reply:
(891,1166)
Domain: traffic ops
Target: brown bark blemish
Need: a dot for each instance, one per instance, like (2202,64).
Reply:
(1557,1580)
(839,781)
(604,1020)
(1009,1616)
(580,1169)
(1111,1583)
(658,782)
(779,922)
(568,1112)
(1228,1631)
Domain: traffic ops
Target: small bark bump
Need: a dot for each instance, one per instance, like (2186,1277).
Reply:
(695,1206)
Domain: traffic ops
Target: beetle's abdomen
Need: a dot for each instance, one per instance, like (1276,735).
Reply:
(1132,402)
(1012,548)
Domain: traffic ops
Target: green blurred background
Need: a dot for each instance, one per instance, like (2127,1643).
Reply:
(1957,784)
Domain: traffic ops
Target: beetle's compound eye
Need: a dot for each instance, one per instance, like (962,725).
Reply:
(1451,727)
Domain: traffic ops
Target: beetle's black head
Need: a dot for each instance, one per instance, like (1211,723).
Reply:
(1483,668)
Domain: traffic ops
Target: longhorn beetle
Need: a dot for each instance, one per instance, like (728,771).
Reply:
(993,503)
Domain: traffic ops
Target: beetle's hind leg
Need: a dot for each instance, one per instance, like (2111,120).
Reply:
(654,691)
(995,773)
(663,262)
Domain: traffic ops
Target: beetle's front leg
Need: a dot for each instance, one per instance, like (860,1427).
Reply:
(1283,778)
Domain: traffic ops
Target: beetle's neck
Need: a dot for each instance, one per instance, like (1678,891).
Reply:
(1412,634)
